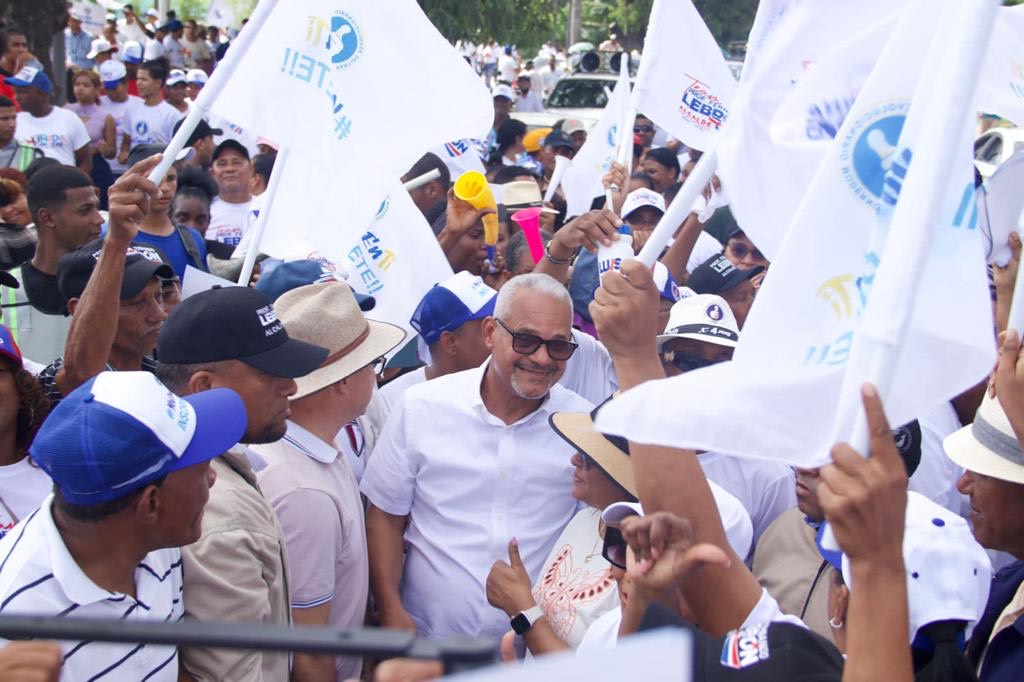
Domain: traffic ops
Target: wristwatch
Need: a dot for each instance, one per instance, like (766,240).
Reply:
(524,620)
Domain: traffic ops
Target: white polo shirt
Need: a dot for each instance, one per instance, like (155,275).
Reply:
(39,576)
(469,483)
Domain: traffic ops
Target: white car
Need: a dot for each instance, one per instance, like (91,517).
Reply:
(994,146)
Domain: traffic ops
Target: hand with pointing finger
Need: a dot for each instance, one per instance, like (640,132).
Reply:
(508,584)
(129,199)
(865,498)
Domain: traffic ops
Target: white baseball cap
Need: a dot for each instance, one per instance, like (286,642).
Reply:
(948,572)
(196,77)
(739,530)
(153,13)
(176,77)
(702,317)
(503,90)
(111,73)
(639,198)
(666,283)
(99,46)
(132,52)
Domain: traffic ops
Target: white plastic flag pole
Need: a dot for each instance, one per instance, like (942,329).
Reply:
(625,144)
(1016,320)
(261,221)
(680,207)
(918,208)
(210,91)
(562,163)
(422,180)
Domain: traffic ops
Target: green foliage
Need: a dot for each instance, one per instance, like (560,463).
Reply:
(196,9)
(527,23)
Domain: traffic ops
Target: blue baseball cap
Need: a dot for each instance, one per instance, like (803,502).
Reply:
(120,431)
(31,76)
(8,346)
(452,303)
(666,283)
(299,273)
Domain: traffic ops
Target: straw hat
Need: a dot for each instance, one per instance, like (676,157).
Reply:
(611,453)
(327,314)
(988,446)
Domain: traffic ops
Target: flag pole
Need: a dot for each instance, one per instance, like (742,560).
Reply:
(421,180)
(213,87)
(918,209)
(561,165)
(261,220)
(680,207)
(625,147)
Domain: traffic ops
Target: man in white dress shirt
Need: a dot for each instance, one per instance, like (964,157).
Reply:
(468,461)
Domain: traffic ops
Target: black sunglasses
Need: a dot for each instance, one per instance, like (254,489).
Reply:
(378,365)
(686,362)
(527,344)
(642,129)
(614,548)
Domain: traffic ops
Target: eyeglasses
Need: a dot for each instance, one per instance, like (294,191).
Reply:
(643,129)
(686,362)
(527,344)
(378,365)
(588,461)
(741,251)
(614,548)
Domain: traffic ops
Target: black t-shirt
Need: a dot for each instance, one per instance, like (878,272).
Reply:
(41,290)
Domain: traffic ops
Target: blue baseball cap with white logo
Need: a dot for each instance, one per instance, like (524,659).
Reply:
(451,304)
(120,431)
(299,273)
(31,76)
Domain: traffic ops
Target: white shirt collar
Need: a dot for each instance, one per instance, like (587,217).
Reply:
(478,400)
(310,445)
(77,586)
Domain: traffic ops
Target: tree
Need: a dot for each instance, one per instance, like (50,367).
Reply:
(526,23)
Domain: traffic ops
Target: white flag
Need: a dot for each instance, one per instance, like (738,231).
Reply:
(341,73)
(787,39)
(683,84)
(396,260)
(220,13)
(1001,86)
(582,180)
(790,391)
(461,156)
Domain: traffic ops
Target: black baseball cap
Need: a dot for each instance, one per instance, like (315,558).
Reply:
(235,323)
(557,138)
(141,152)
(201,131)
(142,264)
(230,143)
(717,274)
(766,652)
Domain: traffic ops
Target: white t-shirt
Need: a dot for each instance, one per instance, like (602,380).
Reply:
(590,372)
(119,111)
(58,134)
(506,68)
(175,52)
(154,49)
(228,222)
(529,102)
(765,488)
(385,399)
(23,487)
(151,124)
(132,31)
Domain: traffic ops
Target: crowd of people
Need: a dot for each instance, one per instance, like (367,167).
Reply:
(247,455)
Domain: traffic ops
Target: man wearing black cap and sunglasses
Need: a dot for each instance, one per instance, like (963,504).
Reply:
(470,456)
(201,140)
(231,337)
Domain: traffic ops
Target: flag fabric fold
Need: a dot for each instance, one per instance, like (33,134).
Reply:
(801,353)
(341,74)
(683,83)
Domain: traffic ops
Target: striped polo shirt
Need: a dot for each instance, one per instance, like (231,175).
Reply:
(38,576)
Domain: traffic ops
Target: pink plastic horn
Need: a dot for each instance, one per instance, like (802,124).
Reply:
(529,221)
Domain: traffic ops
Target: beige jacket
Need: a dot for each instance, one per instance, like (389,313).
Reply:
(788,565)
(236,572)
